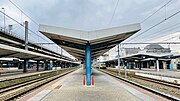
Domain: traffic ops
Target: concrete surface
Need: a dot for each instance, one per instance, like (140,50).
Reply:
(106,89)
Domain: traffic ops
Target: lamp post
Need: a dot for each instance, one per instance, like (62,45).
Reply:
(4,19)
(98,63)
(118,61)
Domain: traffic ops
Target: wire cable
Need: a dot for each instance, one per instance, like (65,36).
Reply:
(23,12)
(170,38)
(164,30)
(114,12)
(156,11)
(12,18)
(22,25)
(156,25)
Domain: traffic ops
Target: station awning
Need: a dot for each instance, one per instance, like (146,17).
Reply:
(74,41)
(9,51)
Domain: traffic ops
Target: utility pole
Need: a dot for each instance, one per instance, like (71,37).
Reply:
(26,64)
(118,61)
(26,35)
(123,62)
(4,20)
(99,62)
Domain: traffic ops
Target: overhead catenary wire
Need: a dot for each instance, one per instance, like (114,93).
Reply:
(28,17)
(150,17)
(156,25)
(156,11)
(38,35)
(12,18)
(164,30)
(114,12)
(23,12)
(36,23)
(170,38)
(22,25)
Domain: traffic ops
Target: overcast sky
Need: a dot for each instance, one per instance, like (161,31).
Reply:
(95,14)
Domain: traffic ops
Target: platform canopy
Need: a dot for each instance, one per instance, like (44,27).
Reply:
(13,52)
(75,41)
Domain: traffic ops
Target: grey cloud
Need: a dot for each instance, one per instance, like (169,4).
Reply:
(96,14)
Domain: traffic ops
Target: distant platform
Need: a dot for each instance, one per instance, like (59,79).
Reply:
(166,75)
(162,72)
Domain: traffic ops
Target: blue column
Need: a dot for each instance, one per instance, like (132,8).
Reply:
(127,64)
(25,65)
(88,65)
(171,67)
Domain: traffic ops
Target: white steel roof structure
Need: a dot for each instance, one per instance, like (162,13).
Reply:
(74,41)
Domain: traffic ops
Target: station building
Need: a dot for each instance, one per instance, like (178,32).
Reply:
(152,56)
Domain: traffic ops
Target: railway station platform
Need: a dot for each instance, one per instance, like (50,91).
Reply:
(106,88)
(165,73)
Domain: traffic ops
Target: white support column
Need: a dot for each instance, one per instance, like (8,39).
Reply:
(147,64)
(157,65)
(164,65)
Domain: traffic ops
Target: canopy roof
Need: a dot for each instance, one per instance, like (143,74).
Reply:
(74,41)
(154,46)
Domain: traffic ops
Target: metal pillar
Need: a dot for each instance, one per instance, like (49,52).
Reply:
(164,65)
(43,65)
(18,65)
(99,63)
(37,66)
(125,66)
(88,65)
(128,65)
(25,65)
(4,20)
(118,61)
(26,46)
(147,64)
(46,65)
(26,35)
(140,65)
(157,65)
(51,65)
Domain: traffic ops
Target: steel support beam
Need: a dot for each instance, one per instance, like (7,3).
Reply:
(51,65)
(118,61)
(26,64)
(157,65)
(88,64)
(37,65)
(26,35)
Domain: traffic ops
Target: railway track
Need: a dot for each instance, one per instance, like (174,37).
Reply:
(160,83)
(14,91)
(157,81)
(13,73)
(170,84)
